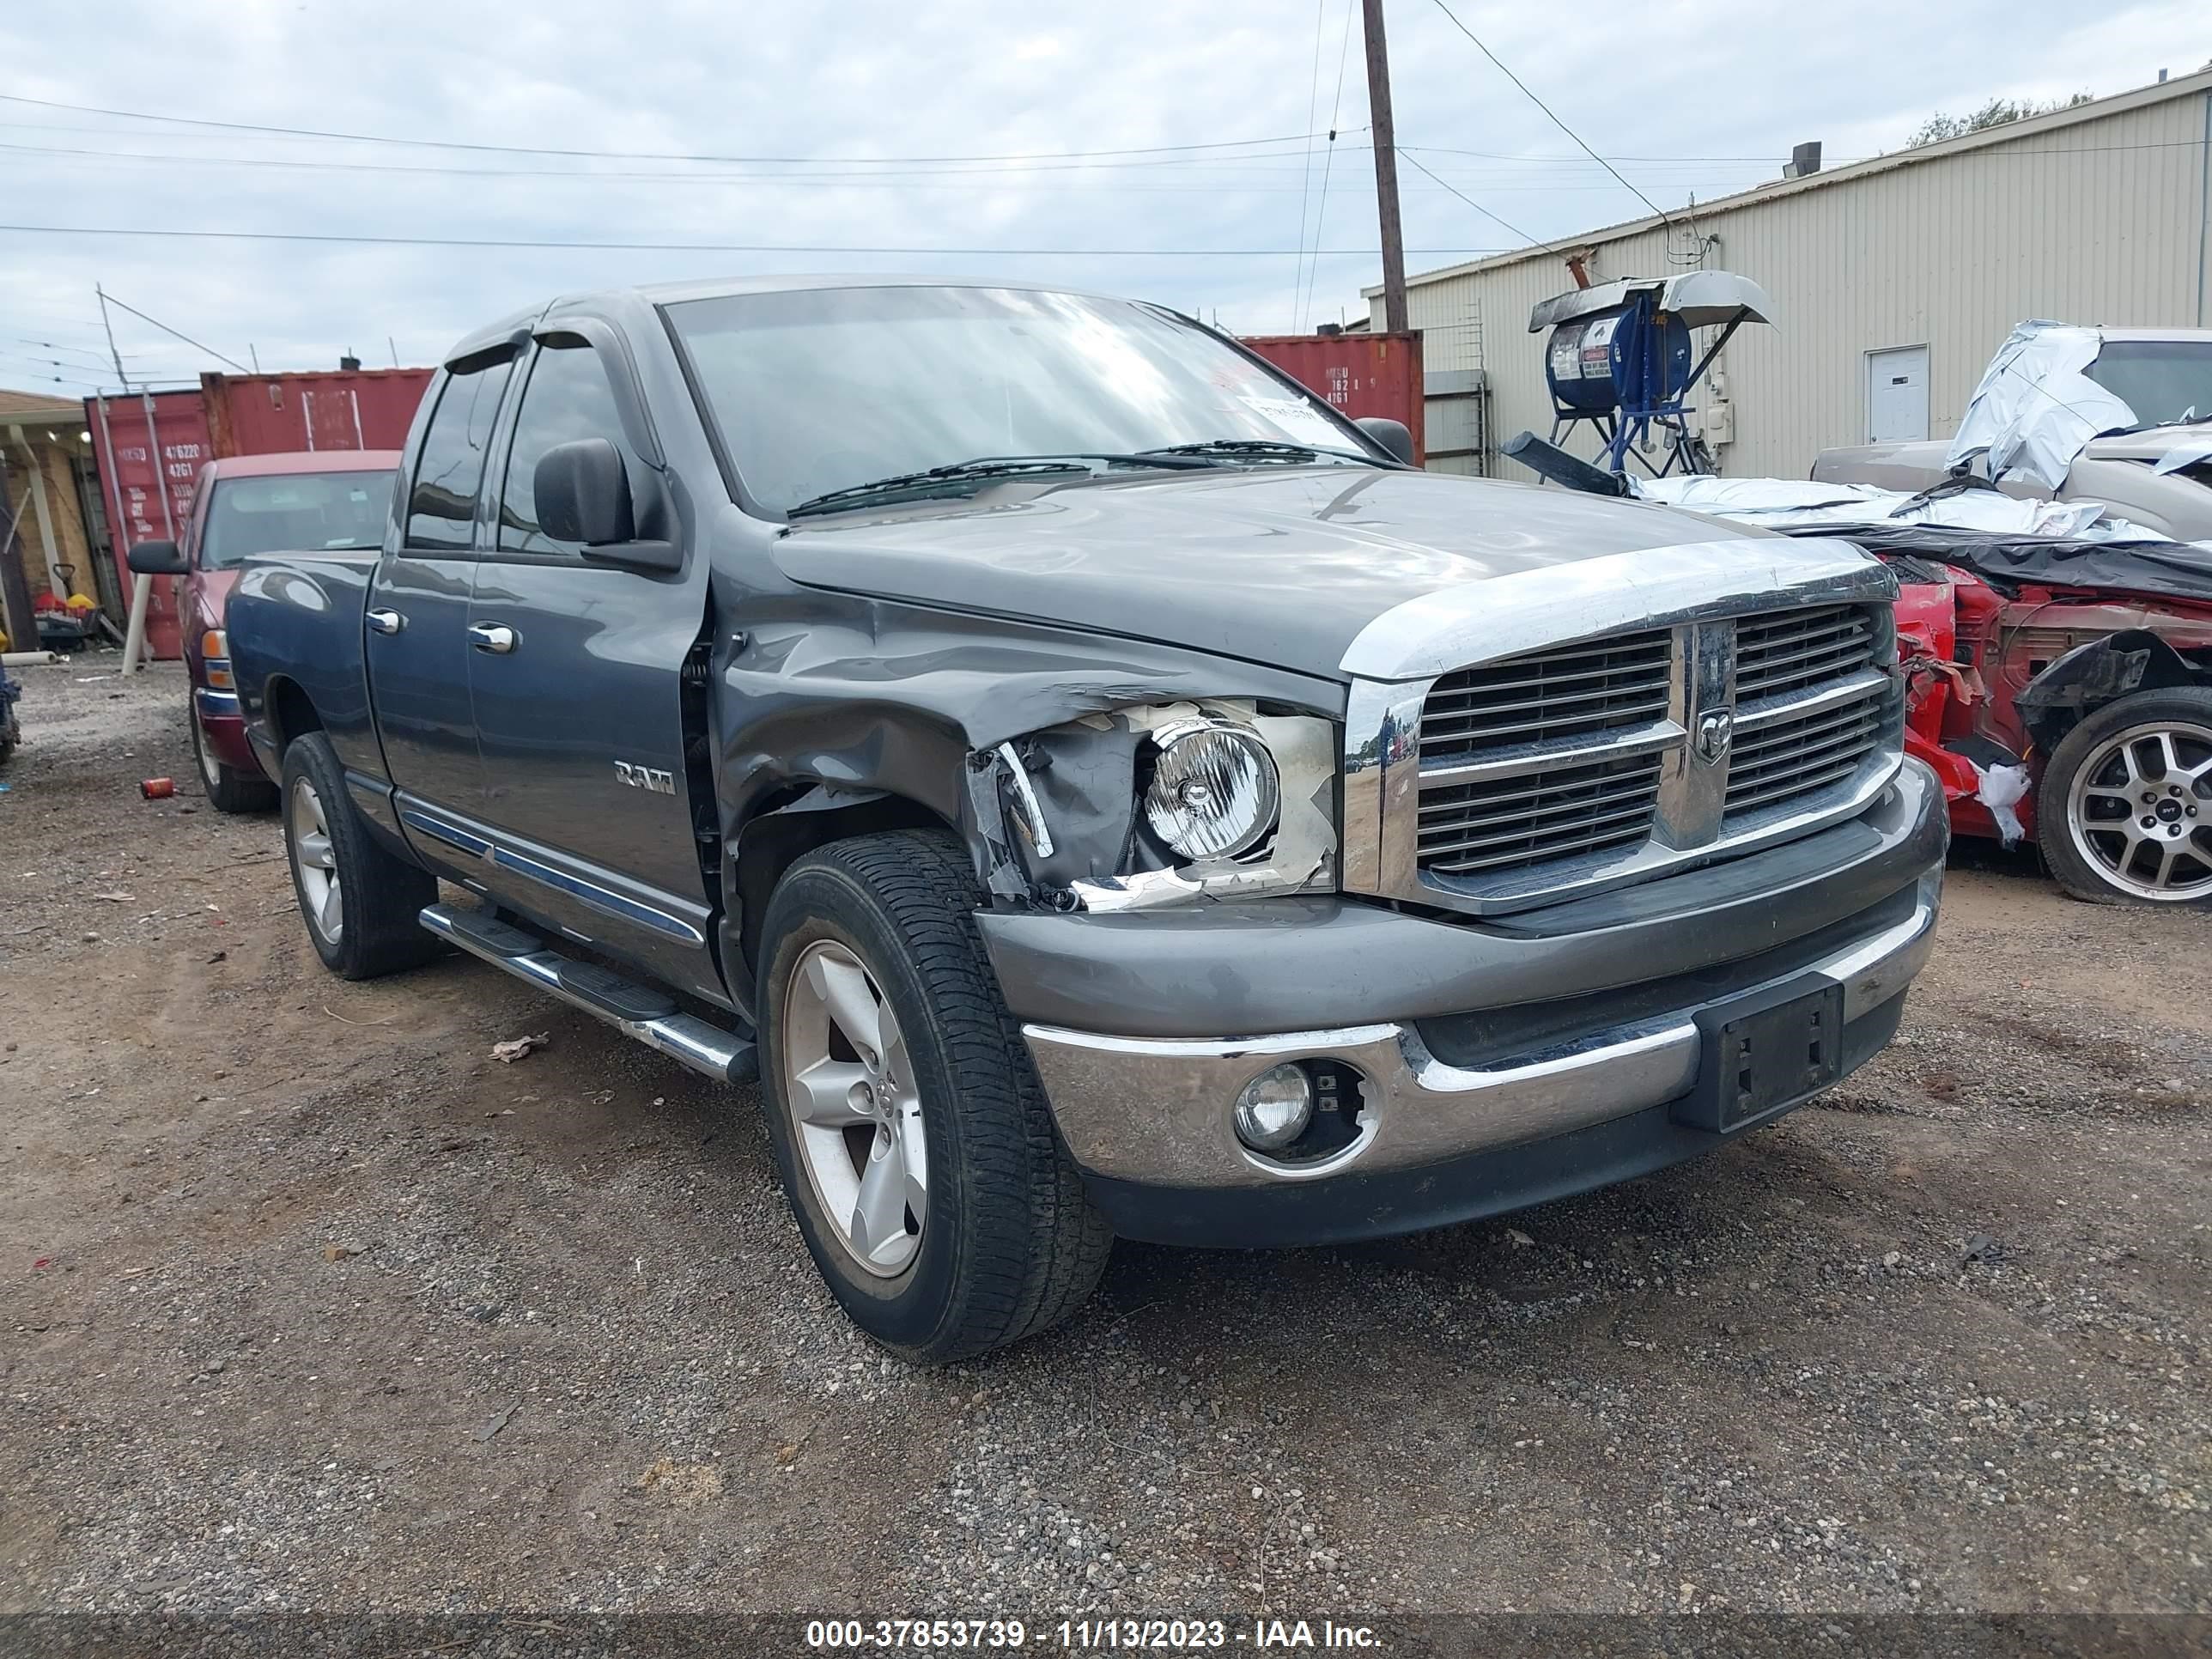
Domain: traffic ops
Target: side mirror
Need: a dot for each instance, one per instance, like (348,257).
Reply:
(155,559)
(582,492)
(581,489)
(1391,434)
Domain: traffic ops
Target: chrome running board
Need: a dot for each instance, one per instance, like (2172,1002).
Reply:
(637,1010)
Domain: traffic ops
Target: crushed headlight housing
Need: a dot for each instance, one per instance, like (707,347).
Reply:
(1263,822)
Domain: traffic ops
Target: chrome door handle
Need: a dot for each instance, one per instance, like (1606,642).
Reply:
(496,637)
(386,622)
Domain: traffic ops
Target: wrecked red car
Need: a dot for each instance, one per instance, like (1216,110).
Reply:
(2058,661)
(2063,690)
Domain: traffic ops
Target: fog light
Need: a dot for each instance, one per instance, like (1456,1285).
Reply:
(1274,1108)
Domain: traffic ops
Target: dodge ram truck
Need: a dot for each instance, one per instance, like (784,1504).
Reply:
(1097,789)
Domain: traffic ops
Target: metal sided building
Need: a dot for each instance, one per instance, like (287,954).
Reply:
(1893,279)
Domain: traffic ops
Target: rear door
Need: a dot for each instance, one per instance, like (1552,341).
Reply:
(418,617)
(576,680)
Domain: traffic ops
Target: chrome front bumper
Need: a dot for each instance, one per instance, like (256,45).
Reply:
(1155,1111)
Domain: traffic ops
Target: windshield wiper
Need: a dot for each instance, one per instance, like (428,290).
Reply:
(1266,449)
(919,486)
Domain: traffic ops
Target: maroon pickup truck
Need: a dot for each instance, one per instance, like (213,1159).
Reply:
(242,505)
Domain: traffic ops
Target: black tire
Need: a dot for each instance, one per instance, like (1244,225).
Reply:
(229,791)
(380,897)
(1012,1245)
(2186,709)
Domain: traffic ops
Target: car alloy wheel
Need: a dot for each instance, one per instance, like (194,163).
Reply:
(317,862)
(2140,811)
(856,1112)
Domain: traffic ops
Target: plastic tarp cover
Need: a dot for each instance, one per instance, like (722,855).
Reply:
(2060,543)
(2182,455)
(2035,409)
(1796,503)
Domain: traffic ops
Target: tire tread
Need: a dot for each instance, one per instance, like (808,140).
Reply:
(1038,1245)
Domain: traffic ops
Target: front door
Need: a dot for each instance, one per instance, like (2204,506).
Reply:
(576,677)
(417,625)
(1896,395)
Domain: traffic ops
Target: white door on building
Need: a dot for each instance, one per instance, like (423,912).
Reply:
(1896,395)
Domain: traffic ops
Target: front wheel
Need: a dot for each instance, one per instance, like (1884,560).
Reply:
(910,1127)
(2124,812)
(360,901)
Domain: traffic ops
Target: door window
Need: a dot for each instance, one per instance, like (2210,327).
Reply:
(568,396)
(442,504)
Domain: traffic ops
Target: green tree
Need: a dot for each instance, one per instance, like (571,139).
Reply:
(1998,112)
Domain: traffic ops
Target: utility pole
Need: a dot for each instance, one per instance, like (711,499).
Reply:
(1386,168)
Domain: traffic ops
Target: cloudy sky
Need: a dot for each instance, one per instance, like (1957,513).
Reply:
(960,135)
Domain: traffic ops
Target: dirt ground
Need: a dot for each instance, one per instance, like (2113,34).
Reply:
(309,1303)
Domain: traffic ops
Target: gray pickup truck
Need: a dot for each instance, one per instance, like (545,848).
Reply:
(1096,789)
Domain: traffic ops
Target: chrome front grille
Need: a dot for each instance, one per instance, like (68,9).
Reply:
(1550,695)
(1540,768)
(1781,758)
(1553,813)
(1796,650)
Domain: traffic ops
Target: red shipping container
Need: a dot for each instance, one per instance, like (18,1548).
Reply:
(344,408)
(1360,375)
(149,447)
(147,472)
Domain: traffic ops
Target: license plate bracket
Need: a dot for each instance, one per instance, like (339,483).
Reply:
(1765,1052)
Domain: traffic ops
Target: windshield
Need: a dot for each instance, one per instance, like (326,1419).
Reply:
(820,389)
(2161,381)
(294,512)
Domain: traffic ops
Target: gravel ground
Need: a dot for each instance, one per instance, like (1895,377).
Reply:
(310,1304)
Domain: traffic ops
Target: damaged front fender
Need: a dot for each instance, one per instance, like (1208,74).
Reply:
(877,703)
(2090,675)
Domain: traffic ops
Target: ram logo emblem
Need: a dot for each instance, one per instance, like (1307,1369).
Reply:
(645,777)
(1714,733)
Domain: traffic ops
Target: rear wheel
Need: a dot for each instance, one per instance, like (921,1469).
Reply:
(911,1130)
(360,901)
(228,790)
(2125,814)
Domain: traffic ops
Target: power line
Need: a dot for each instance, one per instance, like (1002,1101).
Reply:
(1535,242)
(1433,149)
(536,243)
(1305,180)
(1548,110)
(186,339)
(839,181)
(1329,162)
(625,154)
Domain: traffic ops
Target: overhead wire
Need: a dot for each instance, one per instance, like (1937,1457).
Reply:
(539,243)
(1550,112)
(186,339)
(1305,178)
(620,154)
(1532,241)
(1328,161)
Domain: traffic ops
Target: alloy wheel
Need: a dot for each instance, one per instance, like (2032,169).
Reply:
(855,1109)
(2140,812)
(316,862)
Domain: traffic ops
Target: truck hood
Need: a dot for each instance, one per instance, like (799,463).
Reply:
(1277,566)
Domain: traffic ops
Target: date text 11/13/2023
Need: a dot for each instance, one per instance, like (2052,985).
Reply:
(1090,1635)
